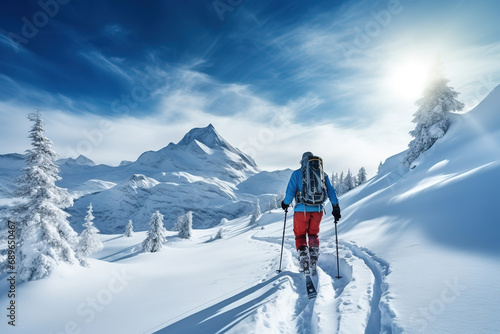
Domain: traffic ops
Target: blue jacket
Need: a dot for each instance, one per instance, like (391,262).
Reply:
(294,186)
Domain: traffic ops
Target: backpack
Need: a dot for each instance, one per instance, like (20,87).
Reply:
(313,189)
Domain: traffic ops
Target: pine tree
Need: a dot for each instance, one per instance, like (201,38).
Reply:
(272,204)
(361,178)
(156,234)
(185,223)
(44,235)
(432,116)
(349,181)
(279,198)
(129,229)
(218,235)
(379,166)
(89,239)
(256,214)
(342,187)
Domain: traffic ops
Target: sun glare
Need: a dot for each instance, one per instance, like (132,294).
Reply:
(407,80)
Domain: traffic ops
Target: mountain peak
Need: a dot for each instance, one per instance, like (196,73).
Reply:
(207,135)
(80,160)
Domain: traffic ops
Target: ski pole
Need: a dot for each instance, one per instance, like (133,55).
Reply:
(337,243)
(283,240)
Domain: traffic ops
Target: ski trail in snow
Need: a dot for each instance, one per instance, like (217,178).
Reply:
(381,315)
(353,292)
(358,302)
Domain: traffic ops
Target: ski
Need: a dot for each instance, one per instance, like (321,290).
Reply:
(311,290)
(304,266)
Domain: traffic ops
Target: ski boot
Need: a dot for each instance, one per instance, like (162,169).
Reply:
(303,259)
(314,255)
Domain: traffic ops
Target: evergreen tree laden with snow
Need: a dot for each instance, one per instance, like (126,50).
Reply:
(349,182)
(340,187)
(273,203)
(343,184)
(156,234)
(432,116)
(129,229)
(185,225)
(218,235)
(279,197)
(361,178)
(44,236)
(256,214)
(90,242)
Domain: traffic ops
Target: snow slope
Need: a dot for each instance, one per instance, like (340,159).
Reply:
(438,227)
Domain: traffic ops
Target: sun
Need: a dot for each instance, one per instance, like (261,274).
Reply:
(407,79)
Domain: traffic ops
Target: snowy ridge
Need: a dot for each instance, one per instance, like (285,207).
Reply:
(80,160)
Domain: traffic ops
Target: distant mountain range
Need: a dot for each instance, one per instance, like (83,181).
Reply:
(202,173)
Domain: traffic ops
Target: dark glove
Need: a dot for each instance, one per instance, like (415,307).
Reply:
(336,212)
(284,206)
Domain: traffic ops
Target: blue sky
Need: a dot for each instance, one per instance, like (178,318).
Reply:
(276,78)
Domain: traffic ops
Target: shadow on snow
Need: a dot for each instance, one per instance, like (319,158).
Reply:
(223,316)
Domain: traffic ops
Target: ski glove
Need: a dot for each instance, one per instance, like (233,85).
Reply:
(336,212)
(284,206)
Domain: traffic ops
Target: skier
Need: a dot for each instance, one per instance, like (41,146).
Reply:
(307,215)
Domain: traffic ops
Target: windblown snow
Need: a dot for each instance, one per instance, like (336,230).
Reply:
(418,248)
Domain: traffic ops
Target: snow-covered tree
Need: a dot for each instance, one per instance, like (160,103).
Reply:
(43,234)
(361,178)
(129,229)
(341,187)
(156,234)
(349,182)
(223,221)
(432,116)
(337,184)
(218,235)
(89,238)
(279,198)
(185,223)
(273,203)
(178,223)
(256,214)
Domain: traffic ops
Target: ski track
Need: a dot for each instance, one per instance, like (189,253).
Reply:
(358,302)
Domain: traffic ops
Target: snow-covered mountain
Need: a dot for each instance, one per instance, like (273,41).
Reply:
(80,160)
(200,173)
(202,152)
(10,168)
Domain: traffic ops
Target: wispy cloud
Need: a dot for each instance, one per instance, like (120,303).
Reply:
(111,64)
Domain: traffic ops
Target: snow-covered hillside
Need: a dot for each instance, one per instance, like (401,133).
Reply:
(437,227)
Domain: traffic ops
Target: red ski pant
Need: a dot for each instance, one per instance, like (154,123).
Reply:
(306,225)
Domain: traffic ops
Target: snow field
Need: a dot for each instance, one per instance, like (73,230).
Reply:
(228,285)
